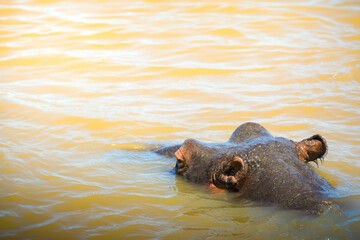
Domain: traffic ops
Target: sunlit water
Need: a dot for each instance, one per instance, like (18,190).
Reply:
(87,85)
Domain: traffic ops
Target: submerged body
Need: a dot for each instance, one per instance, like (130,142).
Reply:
(259,166)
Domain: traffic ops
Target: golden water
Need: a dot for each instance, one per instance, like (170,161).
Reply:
(85,85)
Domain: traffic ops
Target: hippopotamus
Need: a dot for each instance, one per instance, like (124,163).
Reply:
(258,166)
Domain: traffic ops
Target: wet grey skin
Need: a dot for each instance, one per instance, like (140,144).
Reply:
(258,166)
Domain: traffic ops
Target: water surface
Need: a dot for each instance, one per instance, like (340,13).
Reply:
(85,86)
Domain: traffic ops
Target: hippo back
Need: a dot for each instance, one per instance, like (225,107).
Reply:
(247,132)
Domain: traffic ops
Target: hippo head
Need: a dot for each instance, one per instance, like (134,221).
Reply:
(201,163)
(312,149)
(257,165)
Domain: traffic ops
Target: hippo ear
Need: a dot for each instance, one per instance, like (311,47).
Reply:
(312,149)
(230,174)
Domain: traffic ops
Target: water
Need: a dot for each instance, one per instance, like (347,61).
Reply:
(85,86)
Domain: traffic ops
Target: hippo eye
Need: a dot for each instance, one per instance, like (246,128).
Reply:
(180,156)
(180,162)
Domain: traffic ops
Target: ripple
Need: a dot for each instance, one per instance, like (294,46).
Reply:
(87,90)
